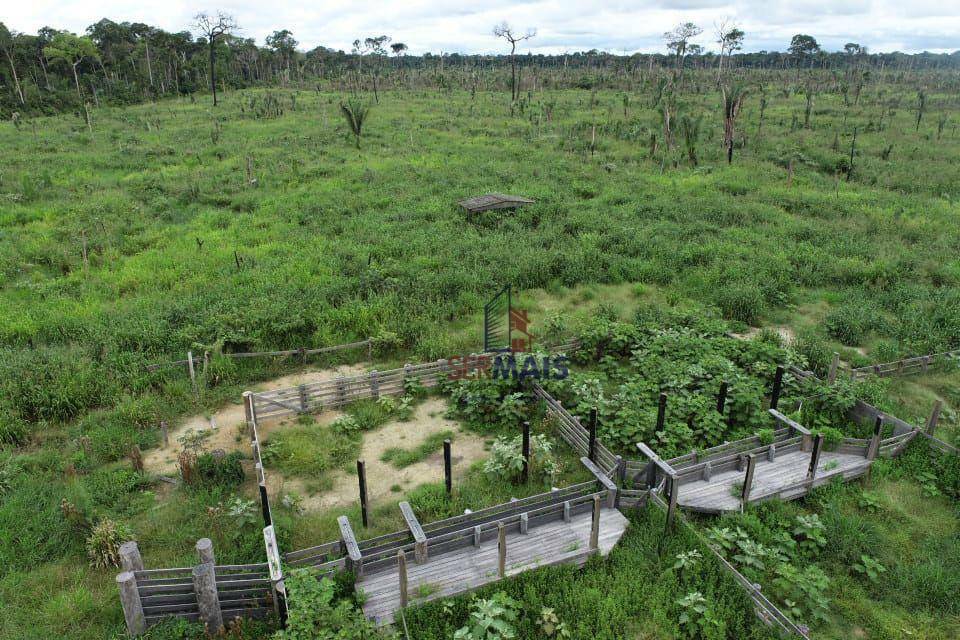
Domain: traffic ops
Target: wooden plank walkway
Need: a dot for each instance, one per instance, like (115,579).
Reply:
(468,568)
(783,478)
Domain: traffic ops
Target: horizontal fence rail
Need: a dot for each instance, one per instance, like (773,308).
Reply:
(906,366)
(243,590)
(302,352)
(338,392)
(574,433)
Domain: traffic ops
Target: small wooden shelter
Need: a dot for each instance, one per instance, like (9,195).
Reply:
(491,201)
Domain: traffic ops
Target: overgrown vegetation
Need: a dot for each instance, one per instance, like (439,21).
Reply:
(134,234)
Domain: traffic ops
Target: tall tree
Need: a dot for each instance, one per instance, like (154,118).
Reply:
(678,41)
(72,49)
(283,43)
(214,27)
(803,47)
(399,49)
(6,44)
(505,31)
(375,46)
(730,39)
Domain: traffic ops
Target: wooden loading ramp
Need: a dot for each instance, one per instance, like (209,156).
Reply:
(447,574)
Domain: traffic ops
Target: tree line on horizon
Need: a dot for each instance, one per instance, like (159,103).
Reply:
(124,63)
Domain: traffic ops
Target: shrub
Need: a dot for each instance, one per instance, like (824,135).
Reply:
(112,488)
(832,437)
(766,436)
(103,544)
(313,611)
(223,470)
(803,591)
(696,618)
(742,302)
(493,618)
(506,458)
(848,324)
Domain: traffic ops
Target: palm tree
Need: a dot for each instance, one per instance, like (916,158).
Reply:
(355,113)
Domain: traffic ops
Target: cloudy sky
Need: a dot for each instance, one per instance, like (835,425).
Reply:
(562,25)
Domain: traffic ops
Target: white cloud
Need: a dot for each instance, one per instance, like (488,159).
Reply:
(465,25)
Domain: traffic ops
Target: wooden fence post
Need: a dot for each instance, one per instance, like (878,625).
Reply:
(524,523)
(873,448)
(815,457)
(264,498)
(302,393)
(651,475)
(672,501)
(525,475)
(248,411)
(595,525)
(501,550)
(362,478)
(164,434)
(592,449)
(208,601)
(205,551)
(375,385)
(722,397)
(341,391)
(130,600)
(661,411)
(934,417)
(402,573)
(193,372)
(348,543)
(447,466)
(130,559)
(777,388)
(832,375)
(747,482)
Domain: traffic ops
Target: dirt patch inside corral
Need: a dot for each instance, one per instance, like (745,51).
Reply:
(226,425)
(384,480)
(787,334)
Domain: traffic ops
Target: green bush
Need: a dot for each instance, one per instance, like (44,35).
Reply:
(742,302)
(849,324)
(113,489)
(314,613)
(220,470)
(832,437)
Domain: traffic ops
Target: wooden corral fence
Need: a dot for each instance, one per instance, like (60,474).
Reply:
(207,592)
(455,554)
(338,392)
(906,366)
(581,439)
(728,477)
(203,361)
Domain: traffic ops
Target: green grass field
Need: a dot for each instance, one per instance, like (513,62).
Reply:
(174,226)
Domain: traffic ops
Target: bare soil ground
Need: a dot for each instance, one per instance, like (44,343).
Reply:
(227,433)
(226,423)
(428,419)
(787,334)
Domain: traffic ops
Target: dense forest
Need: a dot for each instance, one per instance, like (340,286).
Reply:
(125,63)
